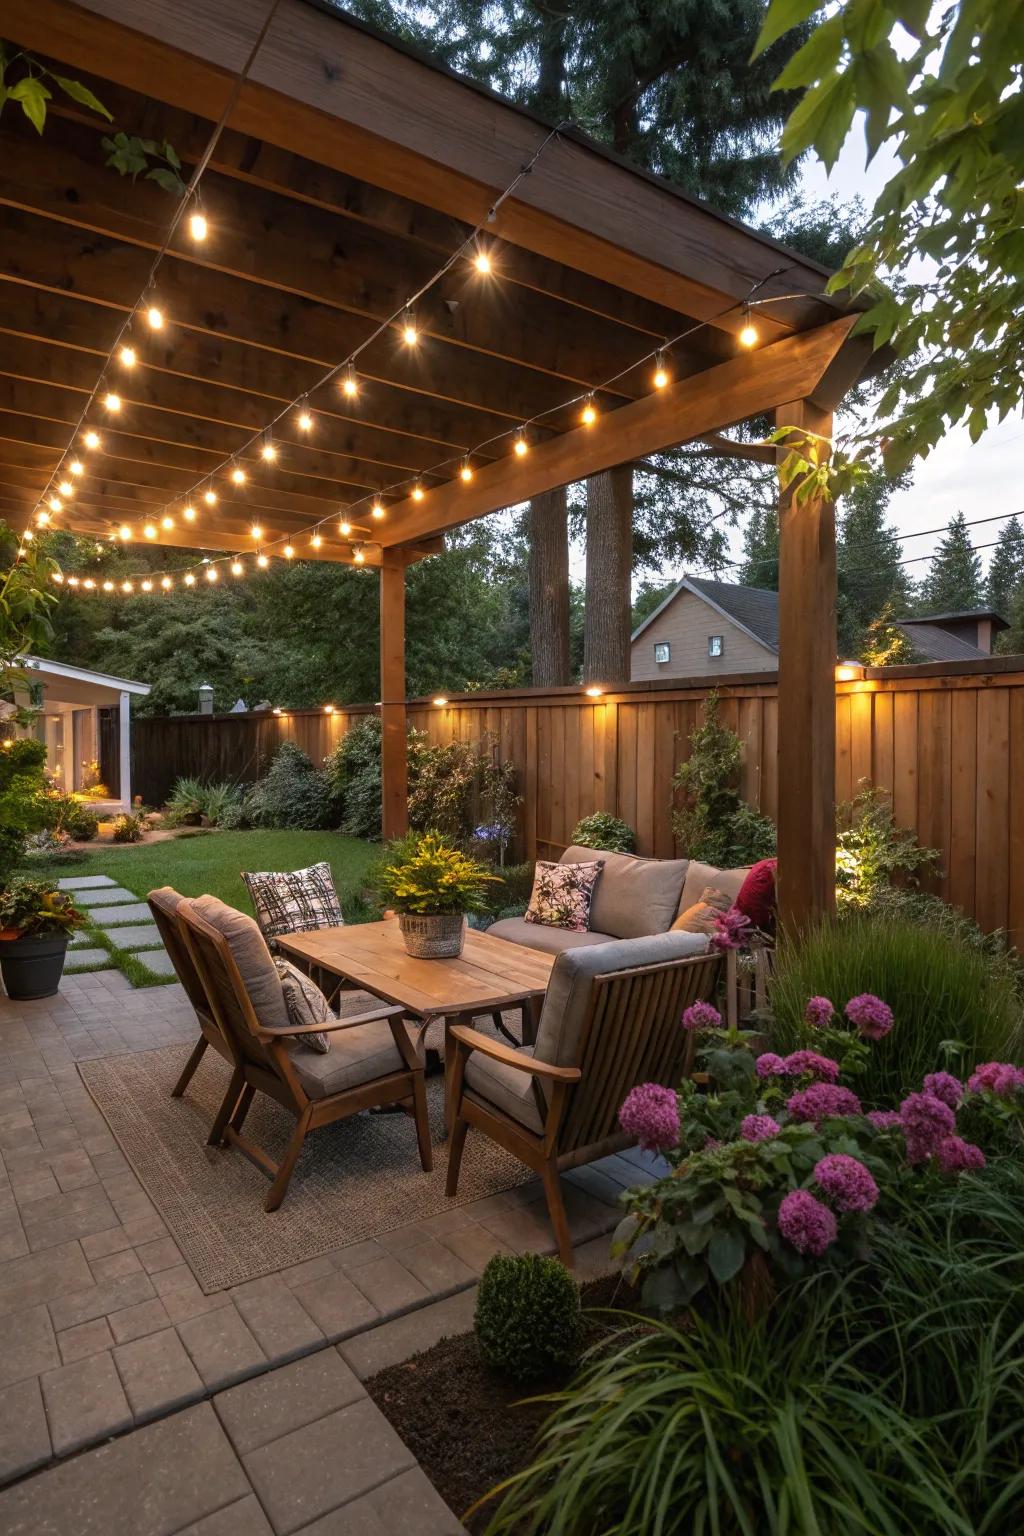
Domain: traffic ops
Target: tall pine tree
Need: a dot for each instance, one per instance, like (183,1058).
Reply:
(1006,569)
(872,579)
(953,583)
(760,566)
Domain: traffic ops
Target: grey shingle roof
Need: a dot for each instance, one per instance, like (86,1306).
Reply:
(937,644)
(756,608)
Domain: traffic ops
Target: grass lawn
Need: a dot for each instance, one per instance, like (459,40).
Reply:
(211,864)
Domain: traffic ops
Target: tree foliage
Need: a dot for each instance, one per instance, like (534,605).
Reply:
(953,583)
(1006,568)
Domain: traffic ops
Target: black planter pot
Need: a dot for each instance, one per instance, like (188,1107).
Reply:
(32,966)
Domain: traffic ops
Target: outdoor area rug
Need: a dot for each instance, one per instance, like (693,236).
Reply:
(355,1179)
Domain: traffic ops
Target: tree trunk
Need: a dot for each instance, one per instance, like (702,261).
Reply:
(549,589)
(607,628)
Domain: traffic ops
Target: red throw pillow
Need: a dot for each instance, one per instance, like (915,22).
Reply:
(757,894)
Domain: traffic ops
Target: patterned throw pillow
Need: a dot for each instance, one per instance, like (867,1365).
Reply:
(294,902)
(306,1004)
(562,894)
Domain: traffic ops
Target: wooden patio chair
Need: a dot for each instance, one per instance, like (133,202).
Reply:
(610,1020)
(372,1060)
(164,904)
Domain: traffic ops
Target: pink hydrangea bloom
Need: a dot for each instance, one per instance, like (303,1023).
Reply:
(805,1223)
(823,1101)
(732,929)
(944,1086)
(925,1120)
(954,1155)
(847,1182)
(998,1077)
(770,1065)
(819,1012)
(701,1016)
(822,1068)
(651,1114)
(884,1119)
(872,1017)
(759,1128)
(711,1144)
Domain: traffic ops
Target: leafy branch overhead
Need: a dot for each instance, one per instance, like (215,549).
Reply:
(132,156)
(941,261)
(24,80)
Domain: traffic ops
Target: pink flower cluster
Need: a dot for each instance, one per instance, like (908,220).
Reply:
(823,1101)
(819,1012)
(796,1064)
(770,1065)
(701,1016)
(806,1224)
(651,1114)
(998,1077)
(884,1119)
(846,1181)
(954,1155)
(926,1120)
(759,1128)
(732,929)
(944,1086)
(871,1016)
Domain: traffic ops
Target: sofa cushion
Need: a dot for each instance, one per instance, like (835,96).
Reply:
(562,894)
(536,936)
(703,916)
(493,1083)
(699,876)
(568,996)
(634,897)
(252,957)
(358,1055)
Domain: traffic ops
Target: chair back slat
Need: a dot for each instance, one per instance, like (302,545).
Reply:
(225,989)
(165,914)
(633,1035)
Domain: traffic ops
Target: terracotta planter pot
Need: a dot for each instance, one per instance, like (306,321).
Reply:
(434,936)
(32,965)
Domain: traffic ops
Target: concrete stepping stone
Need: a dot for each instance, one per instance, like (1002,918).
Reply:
(109,917)
(158,961)
(137,936)
(81,939)
(105,896)
(85,959)
(84,882)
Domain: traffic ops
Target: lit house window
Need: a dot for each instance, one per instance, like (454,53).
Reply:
(662,651)
(716,645)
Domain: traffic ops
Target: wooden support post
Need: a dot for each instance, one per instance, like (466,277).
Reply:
(807,709)
(394,750)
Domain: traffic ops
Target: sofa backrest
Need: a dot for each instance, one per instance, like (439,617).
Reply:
(699,876)
(633,897)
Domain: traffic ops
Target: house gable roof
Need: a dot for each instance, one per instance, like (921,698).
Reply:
(755,610)
(937,644)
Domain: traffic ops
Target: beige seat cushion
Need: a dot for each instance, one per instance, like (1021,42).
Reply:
(252,957)
(551,941)
(358,1055)
(699,876)
(702,916)
(633,897)
(498,1086)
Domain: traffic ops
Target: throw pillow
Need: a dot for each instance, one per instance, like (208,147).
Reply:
(306,1004)
(756,897)
(294,902)
(700,918)
(562,894)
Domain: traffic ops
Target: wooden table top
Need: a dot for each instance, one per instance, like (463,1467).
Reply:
(489,974)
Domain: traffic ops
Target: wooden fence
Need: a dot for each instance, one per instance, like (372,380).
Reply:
(946,742)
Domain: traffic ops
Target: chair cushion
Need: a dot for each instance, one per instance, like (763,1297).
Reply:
(358,1055)
(535,936)
(305,1002)
(699,876)
(294,901)
(572,977)
(634,897)
(493,1083)
(702,916)
(562,894)
(252,957)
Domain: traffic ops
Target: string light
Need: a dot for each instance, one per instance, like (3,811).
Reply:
(522,447)
(42,518)
(77,467)
(588,415)
(238,475)
(410,335)
(166,583)
(237,568)
(211,573)
(344,528)
(660,372)
(147,586)
(482,262)
(189,514)
(197,226)
(288,552)
(377,510)
(91,439)
(55,503)
(418,492)
(268,451)
(466,471)
(124,533)
(358,555)
(748,335)
(190,580)
(350,383)
(155,318)
(305,421)
(167,523)
(316,541)
(256,531)
(112,402)
(66,488)
(108,586)
(262,562)
(126,586)
(149,531)
(210,496)
(89,584)
(127,356)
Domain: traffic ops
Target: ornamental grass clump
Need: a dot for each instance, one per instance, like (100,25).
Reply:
(528,1321)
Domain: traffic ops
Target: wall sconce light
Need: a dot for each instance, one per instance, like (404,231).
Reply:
(439,702)
(849,671)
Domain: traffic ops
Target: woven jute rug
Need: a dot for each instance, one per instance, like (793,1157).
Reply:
(354,1179)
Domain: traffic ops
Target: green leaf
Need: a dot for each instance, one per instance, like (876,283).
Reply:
(81,93)
(33,95)
(169,180)
(726,1253)
(171,156)
(822,119)
(819,54)
(782,16)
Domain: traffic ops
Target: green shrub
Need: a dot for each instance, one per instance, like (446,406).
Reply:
(128,828)
(463,790)
(527,1318)
(512,889)
(70,818)
(714,824)
(603,830)
(353,775)
(22,799)
(192,798)
(293,794)
(872,851)
(952,1006)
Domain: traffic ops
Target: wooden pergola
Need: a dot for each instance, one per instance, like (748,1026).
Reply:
(349,171)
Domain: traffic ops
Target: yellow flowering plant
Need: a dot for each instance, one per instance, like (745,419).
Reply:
(428,876)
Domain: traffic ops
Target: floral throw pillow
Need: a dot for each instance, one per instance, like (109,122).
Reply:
(295,901)
(562,894)
(306,1004)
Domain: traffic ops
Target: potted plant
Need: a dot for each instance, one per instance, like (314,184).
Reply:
(36,920)
(432,886)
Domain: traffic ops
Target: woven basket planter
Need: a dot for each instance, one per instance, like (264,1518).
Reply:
(438,936)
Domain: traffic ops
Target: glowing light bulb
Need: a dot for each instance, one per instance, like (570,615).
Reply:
(55,503)
(127,357)
(66,488)
(328,709)
(482,262)
(72,581)
(147,586)
(126,586)
(522,447)
(189,514)
(359,557)
(262,562)
(190,580)
(344,528)
(410,335)
(112,403)
(466,472)
(748,335)
(305,421)
(155,317)
(42,518)
(89,584)
(149,531)
(439,702)
(288,552)
(77,467)
(588,415)
(418,492)
(197,226)
(166,583)
(660,372)
(350,384)
(256,531)
(377,511)
(237,567)
(167,523)
(58,577)
(593,693)
(238,475)
(108,586)
(91,440)
(211,573)
(124,533)
(316,541)
(269,451)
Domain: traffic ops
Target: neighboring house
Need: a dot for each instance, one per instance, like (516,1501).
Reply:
(84,717)
(712,628)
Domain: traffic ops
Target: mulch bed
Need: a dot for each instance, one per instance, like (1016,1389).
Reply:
(468,1428)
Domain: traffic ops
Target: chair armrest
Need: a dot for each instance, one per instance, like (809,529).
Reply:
(475,1041)
(385,1011)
